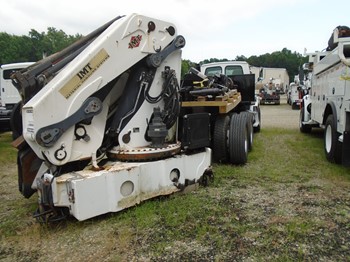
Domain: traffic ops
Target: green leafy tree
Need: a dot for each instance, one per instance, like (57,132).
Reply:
(280,59)
(13,48)
(34,46)
(240,58)
(186,66)
(213,60)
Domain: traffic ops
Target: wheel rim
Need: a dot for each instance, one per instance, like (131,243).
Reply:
(328,139)
(246,140)
(227,138)
(246,146)
(238,139)
(251,136)
(249,131)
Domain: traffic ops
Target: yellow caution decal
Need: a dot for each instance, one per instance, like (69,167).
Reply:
(73,85)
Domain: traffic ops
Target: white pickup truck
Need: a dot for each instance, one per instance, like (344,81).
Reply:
(9,95)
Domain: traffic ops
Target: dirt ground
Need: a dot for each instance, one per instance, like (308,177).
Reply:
(279,115)
(280,206)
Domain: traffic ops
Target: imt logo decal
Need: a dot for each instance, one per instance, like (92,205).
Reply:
(84,73)
(135,41)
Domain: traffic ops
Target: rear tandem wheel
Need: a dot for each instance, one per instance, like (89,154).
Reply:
(249,121)
(332,146)
(220,138)
(238,139)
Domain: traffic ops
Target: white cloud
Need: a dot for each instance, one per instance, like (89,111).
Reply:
(222,29)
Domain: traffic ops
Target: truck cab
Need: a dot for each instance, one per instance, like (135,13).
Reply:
(9,95)
(239,72)
(243,79)
(228,68)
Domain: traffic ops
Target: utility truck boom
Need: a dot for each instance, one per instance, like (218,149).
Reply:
(107,125)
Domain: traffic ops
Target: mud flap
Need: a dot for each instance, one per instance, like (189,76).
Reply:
(28,165)
(346,149)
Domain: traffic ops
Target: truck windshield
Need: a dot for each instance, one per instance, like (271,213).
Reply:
(233,70)
(210,71)
(7,73)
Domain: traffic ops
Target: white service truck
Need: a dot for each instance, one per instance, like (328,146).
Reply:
(327,104)
(106,123)
(293,98)
(9,95)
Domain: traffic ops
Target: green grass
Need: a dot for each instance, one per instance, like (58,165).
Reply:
(7,151)
(286,204)
(13,207)
(286,155)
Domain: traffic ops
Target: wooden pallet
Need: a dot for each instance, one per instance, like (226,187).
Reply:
(225,103)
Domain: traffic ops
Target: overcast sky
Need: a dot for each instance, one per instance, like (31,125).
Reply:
(213,29)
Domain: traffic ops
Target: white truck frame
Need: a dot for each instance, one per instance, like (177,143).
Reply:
(327,104)
(229,111)
(107,124)
(115,90)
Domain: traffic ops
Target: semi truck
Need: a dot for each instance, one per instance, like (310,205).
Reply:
(327,104)
(107,123)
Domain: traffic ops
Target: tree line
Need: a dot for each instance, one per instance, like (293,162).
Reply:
(34,46)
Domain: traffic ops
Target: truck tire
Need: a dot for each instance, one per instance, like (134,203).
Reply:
(249,120)
(303,128)
(220,138)
(238,139)
(332,146)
